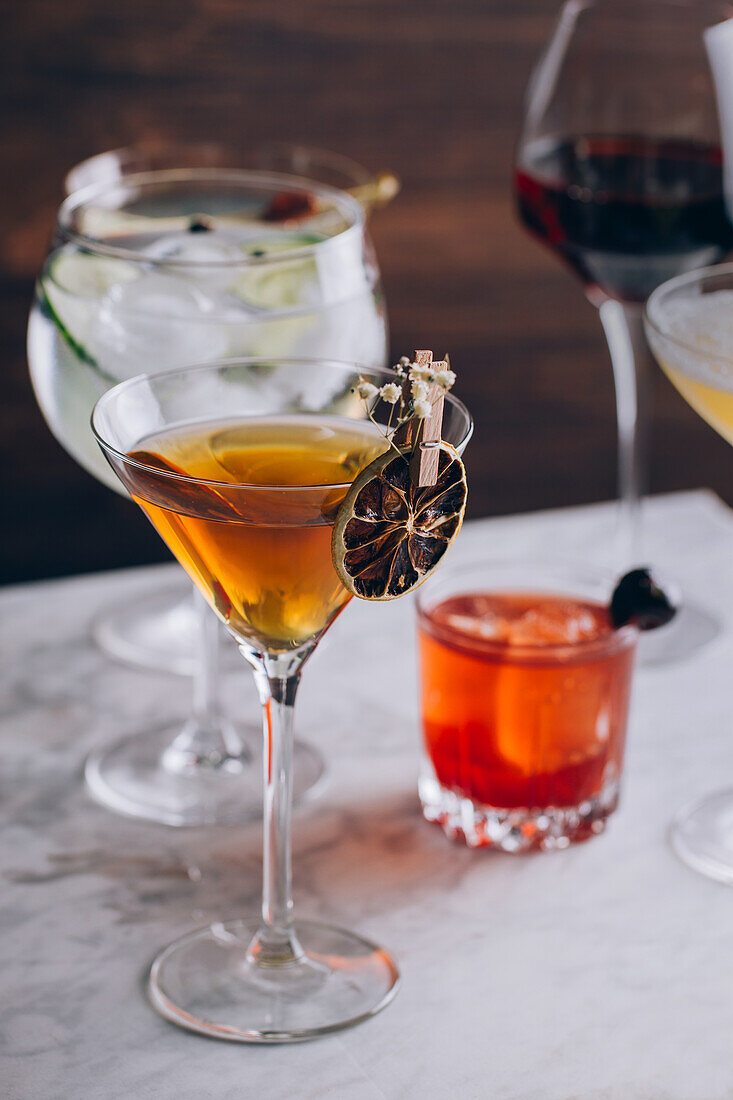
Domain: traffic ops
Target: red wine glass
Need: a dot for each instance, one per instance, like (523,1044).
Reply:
(619,172)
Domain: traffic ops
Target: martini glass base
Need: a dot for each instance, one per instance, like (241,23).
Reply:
(134,777)
(208,983)
(702,836)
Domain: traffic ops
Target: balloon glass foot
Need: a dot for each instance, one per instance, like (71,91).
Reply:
(131,777)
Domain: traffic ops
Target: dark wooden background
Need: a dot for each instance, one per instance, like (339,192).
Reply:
(431,89)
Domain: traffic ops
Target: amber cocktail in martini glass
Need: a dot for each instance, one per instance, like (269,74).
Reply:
(243,468)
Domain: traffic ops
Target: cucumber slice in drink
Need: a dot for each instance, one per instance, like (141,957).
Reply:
(277,241)
(71,288)
(286,285)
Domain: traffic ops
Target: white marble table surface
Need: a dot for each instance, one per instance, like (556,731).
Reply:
(604,972)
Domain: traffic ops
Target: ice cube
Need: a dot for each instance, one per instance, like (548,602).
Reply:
(488,627)
(154,323)
(342,272)
(354,330)
(212,260)
(215,246)
(554,624)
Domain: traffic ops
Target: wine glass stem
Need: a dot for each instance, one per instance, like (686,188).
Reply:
(207,739)
(277,681)
(624,331)
(206,672)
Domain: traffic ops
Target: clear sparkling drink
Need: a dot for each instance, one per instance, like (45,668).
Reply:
(149,276)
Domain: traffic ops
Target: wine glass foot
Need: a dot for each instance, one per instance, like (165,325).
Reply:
(701,835)
(692,628)
(144,777)
(158,631)
(208,982)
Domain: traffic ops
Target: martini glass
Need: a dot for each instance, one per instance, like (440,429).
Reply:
(242,467)
(689,325)
(155,270)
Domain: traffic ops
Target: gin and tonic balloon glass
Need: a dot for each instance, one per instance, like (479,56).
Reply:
(171,635)
(154,270)
(242,468)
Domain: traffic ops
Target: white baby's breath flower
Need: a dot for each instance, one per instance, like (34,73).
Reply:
(421,374)
(366,390)
(404,362)
(421,409)
(445,378)
(420,391)
(390,392)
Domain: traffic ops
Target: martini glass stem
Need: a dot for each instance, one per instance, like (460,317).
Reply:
(277,678)
(624,331)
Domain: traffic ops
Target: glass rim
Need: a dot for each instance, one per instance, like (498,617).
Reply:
(698,276)
(619,637)
(152,149)
(276,182)
(353,368)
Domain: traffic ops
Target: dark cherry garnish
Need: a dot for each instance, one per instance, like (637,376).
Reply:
(289,205)
(200,224)
(640,599)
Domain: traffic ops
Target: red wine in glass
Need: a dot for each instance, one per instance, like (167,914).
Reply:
(625,212)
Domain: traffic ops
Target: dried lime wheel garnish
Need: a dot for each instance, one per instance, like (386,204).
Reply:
(390,533)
